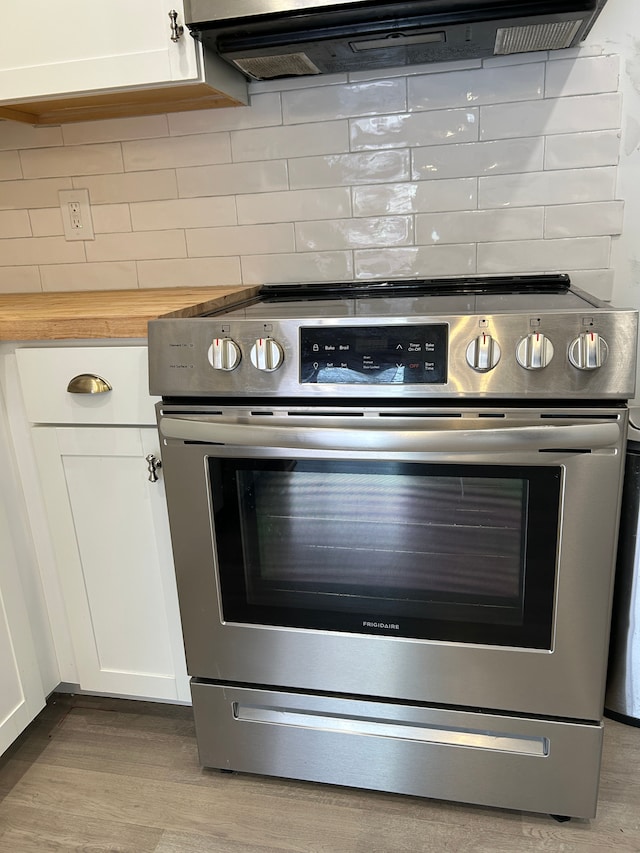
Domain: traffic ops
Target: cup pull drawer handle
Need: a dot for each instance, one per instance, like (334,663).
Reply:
(88,383)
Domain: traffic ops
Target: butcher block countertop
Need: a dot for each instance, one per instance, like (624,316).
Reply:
(104,313)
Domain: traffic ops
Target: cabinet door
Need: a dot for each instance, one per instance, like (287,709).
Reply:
(21,691)
(78,46)
(111,541)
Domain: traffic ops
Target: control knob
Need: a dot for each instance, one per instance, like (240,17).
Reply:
(535,351)
(483,353)
(266,354)
(224,354)
(588,351)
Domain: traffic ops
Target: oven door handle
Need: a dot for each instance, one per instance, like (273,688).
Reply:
(366,437)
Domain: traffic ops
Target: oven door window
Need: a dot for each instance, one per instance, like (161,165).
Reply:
(462,553)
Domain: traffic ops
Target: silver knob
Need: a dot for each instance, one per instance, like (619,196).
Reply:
(483,353)
(535,351)
(266,354)
(588,351)
(224,354)
(153,464)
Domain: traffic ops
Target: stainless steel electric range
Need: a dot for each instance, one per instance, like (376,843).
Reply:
(394,513)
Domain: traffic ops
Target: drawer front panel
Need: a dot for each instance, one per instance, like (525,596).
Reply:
(45,374)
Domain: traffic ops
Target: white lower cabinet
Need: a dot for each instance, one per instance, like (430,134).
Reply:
(107,521)
(21,691)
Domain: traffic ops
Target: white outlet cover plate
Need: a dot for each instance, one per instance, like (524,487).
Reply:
(81,197)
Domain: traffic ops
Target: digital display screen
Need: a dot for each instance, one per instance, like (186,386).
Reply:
(380,355)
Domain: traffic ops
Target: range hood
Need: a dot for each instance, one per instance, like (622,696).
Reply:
(266,39)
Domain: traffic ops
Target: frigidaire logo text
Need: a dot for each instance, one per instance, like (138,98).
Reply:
(381,625)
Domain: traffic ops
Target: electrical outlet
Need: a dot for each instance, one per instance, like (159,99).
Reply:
(76,214)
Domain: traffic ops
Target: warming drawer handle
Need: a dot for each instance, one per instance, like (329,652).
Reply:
(88,383)
(369,438)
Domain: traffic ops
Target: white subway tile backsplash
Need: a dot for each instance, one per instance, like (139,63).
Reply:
(544,255)
(412,70)
(502,166)
(241,240)
(139,245)
(111,218)
(498,157)
(15,135)
(582,76)
(415,261)
(201,149)
(115,129)
(565,187)
(436,127)
(584,220)
(354,233)
(581,50)
(297,267)
(338,170)
(46,222)
(183,213)
(470,89)
(418,197)
(582,150)
(189,272)
(20,279)
(597,282)
(9,166)
(137,186)
(297,205)
(40,250)
(15,223)
(114,275)
(326,103)
(264,111)
(17,195)
(515,59)
(233,179)
(72,160)
(302,140)
(479,226)
(555,115)
(260,87)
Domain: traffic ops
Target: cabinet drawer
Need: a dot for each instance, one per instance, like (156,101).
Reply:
(45,374)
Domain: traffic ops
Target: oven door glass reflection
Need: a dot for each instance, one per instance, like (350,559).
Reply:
(445,552)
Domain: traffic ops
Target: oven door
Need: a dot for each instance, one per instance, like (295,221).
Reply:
(459,558)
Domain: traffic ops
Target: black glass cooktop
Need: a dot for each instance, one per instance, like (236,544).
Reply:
(554,283)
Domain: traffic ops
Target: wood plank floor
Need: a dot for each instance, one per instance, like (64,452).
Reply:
(110,775)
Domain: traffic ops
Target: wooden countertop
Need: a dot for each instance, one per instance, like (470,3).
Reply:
(104,313)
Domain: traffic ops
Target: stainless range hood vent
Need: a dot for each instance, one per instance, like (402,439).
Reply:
(266,39)
(537,37)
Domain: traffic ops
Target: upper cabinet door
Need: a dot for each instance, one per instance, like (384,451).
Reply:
(74,46)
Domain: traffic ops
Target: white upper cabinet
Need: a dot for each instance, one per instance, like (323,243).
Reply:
(58,58)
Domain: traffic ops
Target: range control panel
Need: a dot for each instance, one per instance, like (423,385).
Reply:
(570,355)
(362,355)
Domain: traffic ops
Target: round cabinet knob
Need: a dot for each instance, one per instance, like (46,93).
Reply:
(224,354)
(266,354)
(483,353)
(588,351)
